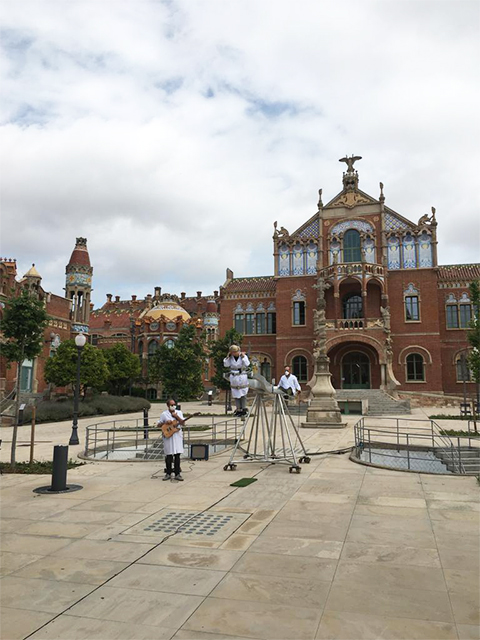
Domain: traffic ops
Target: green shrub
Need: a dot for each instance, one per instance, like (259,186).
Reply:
(444,416)
(98,405)
(36,467)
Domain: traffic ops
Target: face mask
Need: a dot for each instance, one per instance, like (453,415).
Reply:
(173,407)
(287,373)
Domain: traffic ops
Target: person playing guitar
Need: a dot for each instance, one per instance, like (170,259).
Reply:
(173,444)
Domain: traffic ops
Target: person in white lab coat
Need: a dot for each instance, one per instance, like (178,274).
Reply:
(172,446)
(289,384)
(238,363)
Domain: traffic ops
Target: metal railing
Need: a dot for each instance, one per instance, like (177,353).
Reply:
(130,439)
(7,400)
(408,436)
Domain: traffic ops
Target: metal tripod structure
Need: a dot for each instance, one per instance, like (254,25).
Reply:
(270,439)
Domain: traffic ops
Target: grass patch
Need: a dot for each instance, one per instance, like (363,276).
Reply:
(459,432)
(243,482)
(442,416)
(36,467)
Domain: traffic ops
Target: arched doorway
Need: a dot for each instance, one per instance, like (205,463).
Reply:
(355,370)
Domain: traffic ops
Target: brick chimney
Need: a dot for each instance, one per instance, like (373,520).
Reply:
(109,297)
(183,295)
(134,298)
(117,298)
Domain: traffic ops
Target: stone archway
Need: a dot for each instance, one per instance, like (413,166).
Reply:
(355,364)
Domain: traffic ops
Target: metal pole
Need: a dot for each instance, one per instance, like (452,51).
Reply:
(74,437)
(408,453)
(464,376)
(32,433)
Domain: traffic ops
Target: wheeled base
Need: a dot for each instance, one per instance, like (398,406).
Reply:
(271,437)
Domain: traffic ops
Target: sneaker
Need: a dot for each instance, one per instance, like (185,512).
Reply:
(179,478)
(167,476)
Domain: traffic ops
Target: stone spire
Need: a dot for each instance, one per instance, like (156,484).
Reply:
(323,410)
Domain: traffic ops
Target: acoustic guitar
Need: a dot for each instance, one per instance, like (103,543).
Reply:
(171,427)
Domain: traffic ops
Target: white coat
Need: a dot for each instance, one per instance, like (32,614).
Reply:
(290,382)
(238,374)
(174,444)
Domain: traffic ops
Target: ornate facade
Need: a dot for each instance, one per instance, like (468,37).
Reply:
(68,316)
(142,325)
(395,319)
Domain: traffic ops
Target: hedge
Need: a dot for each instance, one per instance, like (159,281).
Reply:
(98,405)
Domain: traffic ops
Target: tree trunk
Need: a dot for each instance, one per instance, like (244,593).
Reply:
(17,410)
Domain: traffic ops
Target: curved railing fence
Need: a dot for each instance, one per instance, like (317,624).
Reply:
(132,439)
(415,445)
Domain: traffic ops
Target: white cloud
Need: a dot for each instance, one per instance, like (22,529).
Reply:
(173,134)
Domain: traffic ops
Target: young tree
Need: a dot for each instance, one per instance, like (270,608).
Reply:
(123,366)
(473,336)
(23,323)
(61,368)
(219,351)
(181,366)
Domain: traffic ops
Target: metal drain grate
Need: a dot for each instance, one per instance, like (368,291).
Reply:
(204,524)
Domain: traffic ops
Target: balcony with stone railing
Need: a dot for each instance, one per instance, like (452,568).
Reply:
(345,269)
(355,324)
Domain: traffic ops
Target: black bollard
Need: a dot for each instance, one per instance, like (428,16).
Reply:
(145,423)
(59,468)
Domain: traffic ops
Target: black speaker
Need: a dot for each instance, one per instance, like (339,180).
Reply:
(199,452)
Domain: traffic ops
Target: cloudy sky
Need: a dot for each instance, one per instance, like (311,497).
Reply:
(172,134)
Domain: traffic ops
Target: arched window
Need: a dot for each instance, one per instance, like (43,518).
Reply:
(352,246)
(169,343)
(463,370)
(266,369)
(352,306)
(415,368)
(152,347)
(140,347)
(300,368)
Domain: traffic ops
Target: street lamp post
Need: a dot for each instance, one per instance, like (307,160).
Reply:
(80,341)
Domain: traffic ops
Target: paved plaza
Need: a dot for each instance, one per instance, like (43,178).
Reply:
(340,551)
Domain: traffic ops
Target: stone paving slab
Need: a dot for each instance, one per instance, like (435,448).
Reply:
(339,551)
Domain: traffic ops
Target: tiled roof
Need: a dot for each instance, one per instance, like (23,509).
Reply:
(459,272)
(257,283)
(118,318)
(79,257)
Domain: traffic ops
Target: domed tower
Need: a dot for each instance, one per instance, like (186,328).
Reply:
(78,286)
(31,280)
(211,320)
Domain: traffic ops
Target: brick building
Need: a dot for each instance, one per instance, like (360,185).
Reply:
(142,325)
(395,319)
(67,314)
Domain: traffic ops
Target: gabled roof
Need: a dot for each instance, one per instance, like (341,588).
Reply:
(455,272)
(350,199)
(256,283)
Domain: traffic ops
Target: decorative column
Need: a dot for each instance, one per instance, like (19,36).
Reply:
(323,411)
